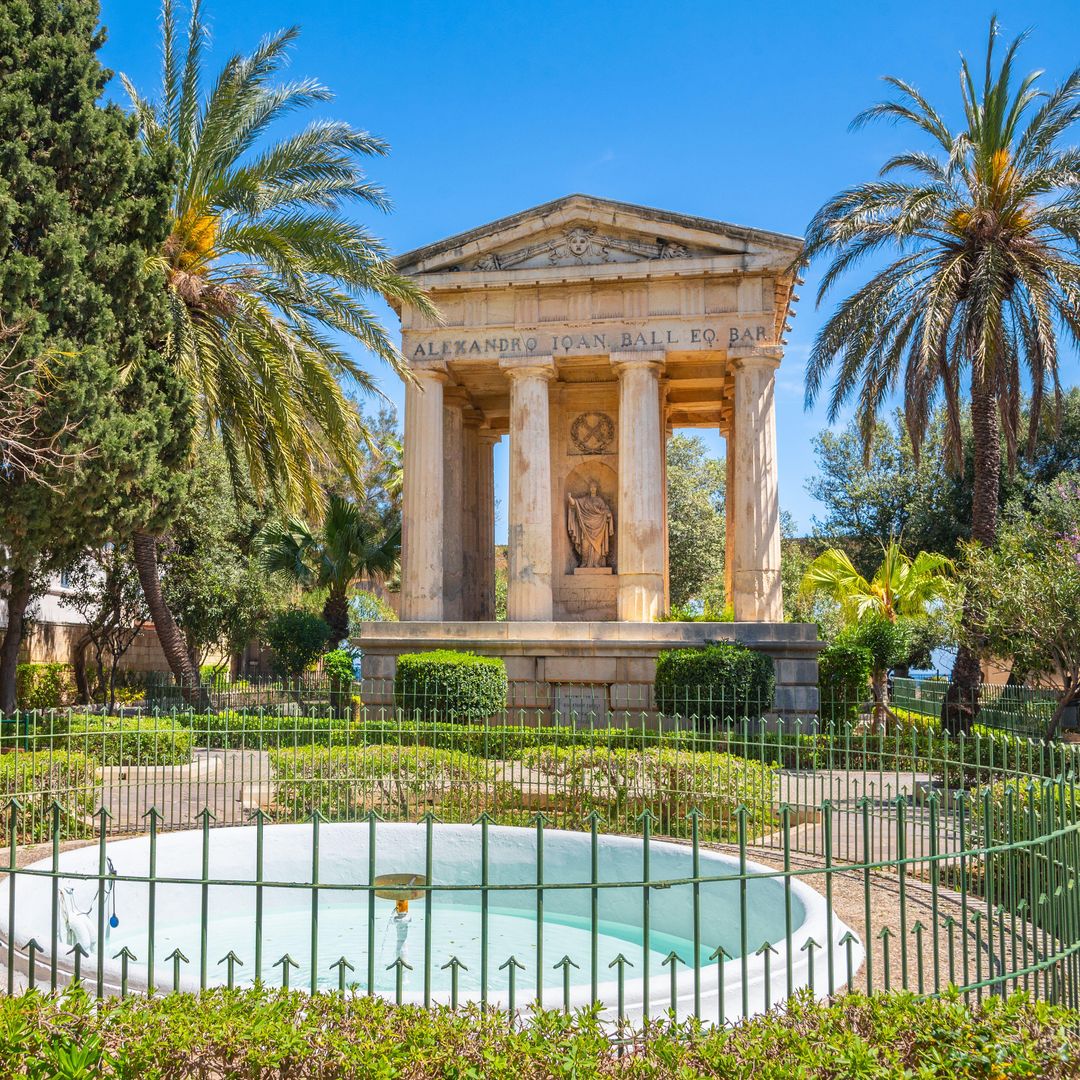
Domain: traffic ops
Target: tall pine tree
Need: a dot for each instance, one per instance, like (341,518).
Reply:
(82,210)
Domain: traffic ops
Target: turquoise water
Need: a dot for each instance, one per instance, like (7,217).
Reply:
(456,931)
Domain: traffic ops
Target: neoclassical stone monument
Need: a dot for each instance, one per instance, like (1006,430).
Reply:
(585,331)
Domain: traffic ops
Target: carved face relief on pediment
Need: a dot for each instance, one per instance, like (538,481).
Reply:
(578,246)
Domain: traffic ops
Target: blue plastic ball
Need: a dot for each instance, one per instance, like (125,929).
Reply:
(114,922)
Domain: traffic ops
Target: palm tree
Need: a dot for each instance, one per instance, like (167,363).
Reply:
(901,587)
(351,544)
(985,229)
(267,275)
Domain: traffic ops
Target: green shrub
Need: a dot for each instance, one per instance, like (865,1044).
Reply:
(39,779)
(44,686)
(620,785)
(273,1033)
(402,783)
(265,731)
(107,740)
(337,666)
(725,680)
(298,638)
(843,680)
(450,685)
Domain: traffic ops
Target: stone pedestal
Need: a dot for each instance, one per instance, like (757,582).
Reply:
(617,660)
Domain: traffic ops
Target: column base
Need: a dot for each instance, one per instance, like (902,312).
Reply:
(758,596)
(641,597)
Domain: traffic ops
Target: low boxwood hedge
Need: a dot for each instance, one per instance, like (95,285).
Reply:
(268,1033)
(265,730)
(727,680)
(449,685)
(398,782)
(106,740)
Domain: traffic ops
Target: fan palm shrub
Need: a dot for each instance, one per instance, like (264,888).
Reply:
(980,233)
(351,544)
(268,274)
(875,608)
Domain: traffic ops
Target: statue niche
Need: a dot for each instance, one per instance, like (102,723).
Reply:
(591,526)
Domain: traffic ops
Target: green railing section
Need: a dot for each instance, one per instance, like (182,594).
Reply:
(1018,709)
(954,857)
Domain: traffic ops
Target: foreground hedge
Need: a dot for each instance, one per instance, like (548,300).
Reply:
(717,682)
(449,685)
(268,1034)
(400,783)
(106,740)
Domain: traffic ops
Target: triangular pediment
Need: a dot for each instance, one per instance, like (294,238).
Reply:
(581,230)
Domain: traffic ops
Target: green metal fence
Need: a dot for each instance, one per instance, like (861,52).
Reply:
(953,859)
(1019,709)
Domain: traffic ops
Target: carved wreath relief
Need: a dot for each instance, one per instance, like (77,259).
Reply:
(592,433)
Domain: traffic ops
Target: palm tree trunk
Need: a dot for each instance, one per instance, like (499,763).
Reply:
(336,614)
(169,634)
(18,599)
(961,702)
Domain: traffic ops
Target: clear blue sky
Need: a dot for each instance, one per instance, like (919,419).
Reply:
(736,111)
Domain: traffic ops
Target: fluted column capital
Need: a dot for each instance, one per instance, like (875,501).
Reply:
(623,360)
(529,367)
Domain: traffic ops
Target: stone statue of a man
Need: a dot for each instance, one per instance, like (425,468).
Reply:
(591,527)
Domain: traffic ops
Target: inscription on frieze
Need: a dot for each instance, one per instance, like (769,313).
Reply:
(694,337)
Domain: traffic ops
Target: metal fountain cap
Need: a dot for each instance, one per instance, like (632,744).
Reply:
(396,887)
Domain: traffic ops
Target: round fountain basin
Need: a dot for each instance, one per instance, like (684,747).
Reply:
(731,913)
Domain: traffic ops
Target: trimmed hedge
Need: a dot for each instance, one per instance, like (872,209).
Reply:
(272,1033)
(106,740)
(620,785)
(266,731)
(449,685)
(400,783)
(721,681)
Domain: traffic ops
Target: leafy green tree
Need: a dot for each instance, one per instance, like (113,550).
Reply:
(367,606)
(1024,594)
(105,591)
(353,543)
(985,228)
(268,275)
(212,581)
(82,208)
(870,497)
(298,639)
(695,505)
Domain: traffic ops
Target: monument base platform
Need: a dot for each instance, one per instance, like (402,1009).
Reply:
(550,664)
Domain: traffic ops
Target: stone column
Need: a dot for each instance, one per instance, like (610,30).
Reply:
(485,520)
(756,509)
(422,503)
(470,516)
(729,514)
(453,502)
(639,523)
(529,535)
